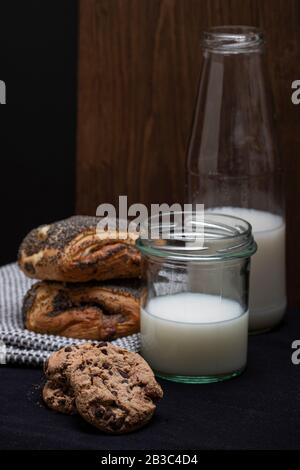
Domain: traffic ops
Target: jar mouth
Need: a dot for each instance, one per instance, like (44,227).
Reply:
(233,39)
(196,236)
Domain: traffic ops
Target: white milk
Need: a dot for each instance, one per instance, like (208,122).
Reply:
(194,334)
(267,279)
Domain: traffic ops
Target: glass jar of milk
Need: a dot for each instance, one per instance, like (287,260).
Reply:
(194,315)
(233,164)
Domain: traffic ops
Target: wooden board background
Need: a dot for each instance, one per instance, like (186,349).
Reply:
(139,63)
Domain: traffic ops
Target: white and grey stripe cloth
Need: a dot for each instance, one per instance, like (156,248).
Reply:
(20,346)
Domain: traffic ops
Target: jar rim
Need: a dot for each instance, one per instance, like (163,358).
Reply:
(233,39)
(201,236)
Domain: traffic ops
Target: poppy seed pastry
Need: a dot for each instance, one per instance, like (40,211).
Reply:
(73,250)
(94,310)
(114,389)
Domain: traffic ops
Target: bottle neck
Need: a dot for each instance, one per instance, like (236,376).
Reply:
(233,157)
(233,40)
(233,129)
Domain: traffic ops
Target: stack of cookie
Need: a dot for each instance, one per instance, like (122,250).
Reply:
(111,388)
(89,281)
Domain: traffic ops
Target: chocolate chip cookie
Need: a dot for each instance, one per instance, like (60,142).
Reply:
(114,389)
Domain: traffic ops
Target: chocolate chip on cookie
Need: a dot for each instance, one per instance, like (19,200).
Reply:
(59,398)
(58,364)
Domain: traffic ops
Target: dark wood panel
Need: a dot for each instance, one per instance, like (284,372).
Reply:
(138,73)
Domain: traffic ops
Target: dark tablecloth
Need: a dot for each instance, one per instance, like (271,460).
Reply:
(258,410)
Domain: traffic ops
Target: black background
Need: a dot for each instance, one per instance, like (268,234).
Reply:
(38,55)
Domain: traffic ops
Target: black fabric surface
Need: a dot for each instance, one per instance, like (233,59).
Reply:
(258,410)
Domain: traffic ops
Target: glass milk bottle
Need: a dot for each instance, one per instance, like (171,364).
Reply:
(233,164)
